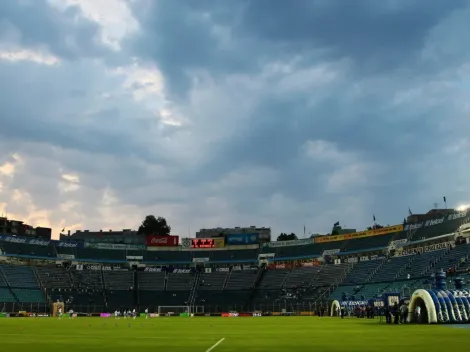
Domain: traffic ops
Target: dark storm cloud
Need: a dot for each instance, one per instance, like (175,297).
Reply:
(378,39)
(376,36)
(37,24)
(373,85)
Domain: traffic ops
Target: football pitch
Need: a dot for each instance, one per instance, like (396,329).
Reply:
(203,334)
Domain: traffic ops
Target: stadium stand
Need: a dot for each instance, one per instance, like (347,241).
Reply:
(151,281)
(6,296)
(107,255)
(389,270)
(28,295)
(421,264)
(241,280)
(53,277)
(180,281)
(286,284)
(234,256)
(302,277)
(20,276)
(361,272)
(28,249)
(296,251)
(367,242)
(167,257)
(213,281)
(273,279)
(331,274)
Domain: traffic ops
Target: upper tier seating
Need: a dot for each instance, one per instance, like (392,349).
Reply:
(425,232)
(379,241)
(246,255)
(27,249)
(295,251)
(103,254)
(168,257)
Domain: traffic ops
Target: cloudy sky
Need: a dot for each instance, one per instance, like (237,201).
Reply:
(232,113)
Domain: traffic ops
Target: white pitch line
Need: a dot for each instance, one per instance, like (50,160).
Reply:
(216,344)
(93,336)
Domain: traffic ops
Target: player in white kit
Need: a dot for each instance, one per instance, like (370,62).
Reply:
(59,313)
(146,313)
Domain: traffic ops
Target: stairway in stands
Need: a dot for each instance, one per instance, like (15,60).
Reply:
(194,288)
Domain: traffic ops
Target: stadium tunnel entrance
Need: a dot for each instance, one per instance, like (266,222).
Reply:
(335,310)
(423,317)
(428,315)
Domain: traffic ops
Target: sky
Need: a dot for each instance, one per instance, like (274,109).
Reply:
(232,113)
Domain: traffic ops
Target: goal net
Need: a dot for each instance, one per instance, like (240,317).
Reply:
(174,310)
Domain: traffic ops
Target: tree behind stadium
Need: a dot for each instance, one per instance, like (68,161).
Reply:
(154,226)
(285,237)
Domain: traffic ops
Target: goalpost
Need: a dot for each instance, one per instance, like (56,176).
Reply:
(179,310)
(173,310)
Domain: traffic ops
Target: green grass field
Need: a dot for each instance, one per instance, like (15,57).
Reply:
(240,334)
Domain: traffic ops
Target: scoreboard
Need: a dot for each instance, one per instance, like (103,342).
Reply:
(207,243)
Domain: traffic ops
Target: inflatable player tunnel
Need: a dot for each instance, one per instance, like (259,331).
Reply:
(439,305)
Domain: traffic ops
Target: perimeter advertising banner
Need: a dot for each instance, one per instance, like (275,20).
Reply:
(242,238)
(301,242)
(115,246)
(162,241)
(354,235)
(38,242)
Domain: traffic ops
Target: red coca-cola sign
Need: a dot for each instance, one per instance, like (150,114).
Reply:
(162,241)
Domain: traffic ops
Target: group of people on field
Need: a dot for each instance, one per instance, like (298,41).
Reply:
(398,314)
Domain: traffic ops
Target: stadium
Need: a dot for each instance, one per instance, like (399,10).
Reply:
(240,275)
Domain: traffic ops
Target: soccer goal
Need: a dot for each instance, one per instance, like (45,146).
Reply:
(179,310)
(173,310)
